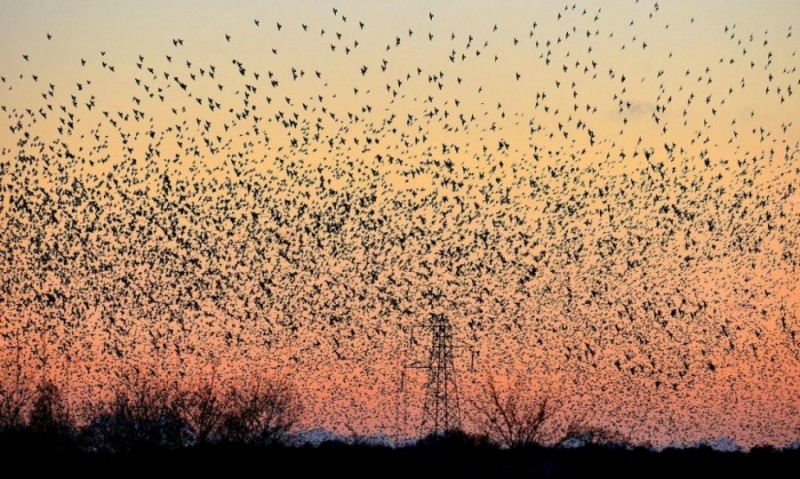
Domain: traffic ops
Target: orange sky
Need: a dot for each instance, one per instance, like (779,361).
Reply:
(333,185)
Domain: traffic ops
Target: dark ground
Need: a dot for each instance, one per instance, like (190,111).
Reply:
(459,460)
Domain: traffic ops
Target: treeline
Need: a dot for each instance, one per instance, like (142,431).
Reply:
(235,426)
(142,414)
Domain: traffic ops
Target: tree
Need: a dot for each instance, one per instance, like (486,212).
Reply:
(143,414)
(260,411)
(15,395)
(512,418)
(49,419)
(203,411)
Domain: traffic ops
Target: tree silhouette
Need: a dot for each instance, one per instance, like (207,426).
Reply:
(15,394)
(512,418)
(203,411)
(143,414)
(49,420)
(261,411)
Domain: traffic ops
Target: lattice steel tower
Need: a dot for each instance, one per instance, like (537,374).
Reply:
(440,411)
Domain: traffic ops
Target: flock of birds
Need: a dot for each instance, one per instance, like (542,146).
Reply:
(573,215)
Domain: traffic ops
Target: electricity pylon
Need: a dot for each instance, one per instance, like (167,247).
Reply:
(441,410)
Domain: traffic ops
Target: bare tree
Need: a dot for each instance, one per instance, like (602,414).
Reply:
(511,418)
(49,418)
(49,409)
(16,394)
(514,418)
(143,413)
(260,411)
(203,411)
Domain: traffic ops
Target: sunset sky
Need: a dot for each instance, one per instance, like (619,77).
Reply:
(602,197)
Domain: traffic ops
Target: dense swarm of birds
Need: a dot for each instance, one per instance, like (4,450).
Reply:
(633,229)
